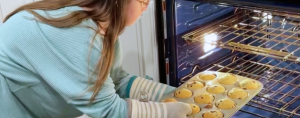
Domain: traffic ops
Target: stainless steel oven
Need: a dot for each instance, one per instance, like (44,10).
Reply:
(259,39)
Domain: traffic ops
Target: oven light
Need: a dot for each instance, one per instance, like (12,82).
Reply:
(208,47)
(243,24)
(269,16)
(209,39)
(256,11)
(265,14)
(178,5)
(206,55)
(256,18)
(235,26)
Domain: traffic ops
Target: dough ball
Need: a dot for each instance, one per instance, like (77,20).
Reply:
(225,104)
(213,114)
(183,93)
(227,79)
(216,89)
(195,108)
(170,100)
(248,84)
(204,98)
(195,85)
(236,93)
(207,76)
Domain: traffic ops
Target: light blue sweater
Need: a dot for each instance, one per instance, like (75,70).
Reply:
(44,71)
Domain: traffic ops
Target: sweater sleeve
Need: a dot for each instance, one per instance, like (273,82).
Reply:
(59,56)
(134,87)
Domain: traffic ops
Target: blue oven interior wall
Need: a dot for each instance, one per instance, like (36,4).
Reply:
(191,16)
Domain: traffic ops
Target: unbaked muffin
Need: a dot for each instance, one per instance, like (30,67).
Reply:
(207,76)
(215,89)
(213,114)
(204,98)
(227,79)
(183,93)
(248,84)
(170,100)
(225,104)
(236,93)
(195,108)
(195,85)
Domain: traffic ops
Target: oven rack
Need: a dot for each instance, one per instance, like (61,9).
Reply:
(261,51)
(281,85)
(238,18)
(236,25)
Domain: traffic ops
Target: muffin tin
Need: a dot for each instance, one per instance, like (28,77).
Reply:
(218,94)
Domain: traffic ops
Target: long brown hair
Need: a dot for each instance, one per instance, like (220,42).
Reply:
(111,12)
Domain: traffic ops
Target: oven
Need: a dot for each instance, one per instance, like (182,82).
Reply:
(259,39)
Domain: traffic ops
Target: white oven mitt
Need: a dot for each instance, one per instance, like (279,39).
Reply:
(158,110)
(148,90)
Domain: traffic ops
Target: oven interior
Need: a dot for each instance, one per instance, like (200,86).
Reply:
(257,43)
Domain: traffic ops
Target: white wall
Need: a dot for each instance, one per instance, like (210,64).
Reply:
(6,6)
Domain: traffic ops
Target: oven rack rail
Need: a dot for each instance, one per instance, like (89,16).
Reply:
(271,76)
(236,23)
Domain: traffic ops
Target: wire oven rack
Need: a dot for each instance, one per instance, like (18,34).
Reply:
(235,23)
(281,92)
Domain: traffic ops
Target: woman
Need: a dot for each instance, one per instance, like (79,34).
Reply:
(61,58)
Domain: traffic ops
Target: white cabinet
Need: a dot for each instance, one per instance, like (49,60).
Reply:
(8,6)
